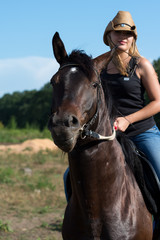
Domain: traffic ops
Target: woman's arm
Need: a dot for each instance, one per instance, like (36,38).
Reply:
(147,74)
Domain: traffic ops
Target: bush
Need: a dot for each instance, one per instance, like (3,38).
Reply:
(12,123)
(1,125)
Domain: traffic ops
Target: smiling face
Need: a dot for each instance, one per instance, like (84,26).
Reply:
(123,39)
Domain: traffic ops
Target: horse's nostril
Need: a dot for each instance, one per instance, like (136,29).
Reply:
(74,121)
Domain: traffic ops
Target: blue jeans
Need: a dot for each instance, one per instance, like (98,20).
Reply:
(149,143)
(65,176)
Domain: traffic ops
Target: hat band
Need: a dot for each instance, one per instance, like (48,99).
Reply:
(124,25)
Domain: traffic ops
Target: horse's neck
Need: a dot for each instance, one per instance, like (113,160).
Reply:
(104,160)
(96,173)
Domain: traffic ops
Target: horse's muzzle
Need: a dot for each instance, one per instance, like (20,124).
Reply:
(64,130)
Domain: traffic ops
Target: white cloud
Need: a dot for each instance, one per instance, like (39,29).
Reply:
(27,73)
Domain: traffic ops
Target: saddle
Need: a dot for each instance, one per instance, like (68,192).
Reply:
(144,173)
(152,183)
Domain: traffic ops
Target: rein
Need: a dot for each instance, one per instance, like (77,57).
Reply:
(84,130)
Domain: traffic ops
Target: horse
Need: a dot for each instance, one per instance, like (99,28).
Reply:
(106,202)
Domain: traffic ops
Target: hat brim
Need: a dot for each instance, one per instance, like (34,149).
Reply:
(111,27)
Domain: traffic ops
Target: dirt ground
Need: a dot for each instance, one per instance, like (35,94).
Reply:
(30,226)
(29,146)
(47,227)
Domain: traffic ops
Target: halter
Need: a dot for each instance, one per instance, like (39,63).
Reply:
(84,130)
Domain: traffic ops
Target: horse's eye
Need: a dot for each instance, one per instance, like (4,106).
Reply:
(95,84)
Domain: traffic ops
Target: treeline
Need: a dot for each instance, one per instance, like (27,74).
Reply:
(28,109)
(31,109)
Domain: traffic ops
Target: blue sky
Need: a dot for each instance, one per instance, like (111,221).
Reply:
(27,27)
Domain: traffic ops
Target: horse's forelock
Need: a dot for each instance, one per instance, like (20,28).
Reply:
(84,61)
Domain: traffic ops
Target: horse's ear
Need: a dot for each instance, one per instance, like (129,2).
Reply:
(58,48)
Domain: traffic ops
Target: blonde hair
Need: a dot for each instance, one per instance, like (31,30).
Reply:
(116,59)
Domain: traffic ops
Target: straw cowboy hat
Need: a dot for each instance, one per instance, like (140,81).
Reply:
(121,22)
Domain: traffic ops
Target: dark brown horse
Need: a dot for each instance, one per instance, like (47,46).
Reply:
(106,203)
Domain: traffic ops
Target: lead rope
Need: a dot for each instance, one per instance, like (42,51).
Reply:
(89,133)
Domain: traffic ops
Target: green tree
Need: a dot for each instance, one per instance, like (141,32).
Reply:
(40,110)
(28,108)
(156,65)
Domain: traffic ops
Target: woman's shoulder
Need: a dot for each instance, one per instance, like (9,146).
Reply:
(145,68)
(144,62)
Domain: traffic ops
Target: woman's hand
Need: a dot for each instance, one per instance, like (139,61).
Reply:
(121,124)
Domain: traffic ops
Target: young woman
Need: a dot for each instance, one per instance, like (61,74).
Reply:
(128,76)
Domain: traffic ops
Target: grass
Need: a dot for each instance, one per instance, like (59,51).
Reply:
(32,198)
(20,135)
(46,171)
(6,175)
(5,227)
(37,198)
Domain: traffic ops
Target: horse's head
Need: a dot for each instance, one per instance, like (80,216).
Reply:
(74,95)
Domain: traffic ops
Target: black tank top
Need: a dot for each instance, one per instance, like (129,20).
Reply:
(128,96)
